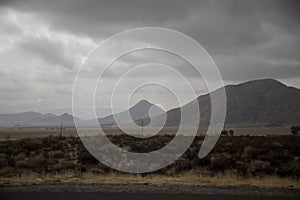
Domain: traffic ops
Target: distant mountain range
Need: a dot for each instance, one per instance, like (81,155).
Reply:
(259,102)
(35,119)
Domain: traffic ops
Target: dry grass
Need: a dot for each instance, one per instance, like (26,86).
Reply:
(188,178)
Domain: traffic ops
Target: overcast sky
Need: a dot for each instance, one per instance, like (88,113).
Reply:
(42,43)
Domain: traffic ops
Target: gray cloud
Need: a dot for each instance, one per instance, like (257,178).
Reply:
(247,39)
(52,52)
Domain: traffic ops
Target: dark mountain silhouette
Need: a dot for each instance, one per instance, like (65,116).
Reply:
(258,102)
(137,112)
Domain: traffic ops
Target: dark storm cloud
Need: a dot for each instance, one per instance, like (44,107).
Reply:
(228,21)
(252,65)
(248,39)
(232,26)
(96,18)
(223,27)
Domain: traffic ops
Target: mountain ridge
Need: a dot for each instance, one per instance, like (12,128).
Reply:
(35,119)
(255,102)
(139,111)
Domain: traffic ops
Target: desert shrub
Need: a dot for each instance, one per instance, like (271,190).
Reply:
(3,161)
(85,158)
(286,170)
(57,154)
(25,164)
(220,163)
(240,168)
(257,167)
(31,144)
(6,147)
(69,165)
(295,130)
(8,172)
(244,156)
(224,133)
(97,171)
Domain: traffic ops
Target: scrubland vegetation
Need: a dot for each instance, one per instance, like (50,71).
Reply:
(234,157)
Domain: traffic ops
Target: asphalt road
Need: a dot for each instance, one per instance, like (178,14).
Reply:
(80,191)
(126,196)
